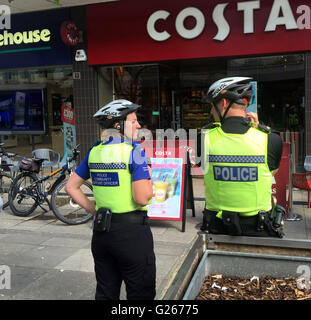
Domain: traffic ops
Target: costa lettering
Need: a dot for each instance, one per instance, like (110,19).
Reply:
(281,14)
(33,36)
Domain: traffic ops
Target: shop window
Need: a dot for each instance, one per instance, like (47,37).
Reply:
(195,78)
(56,108)
(269,68)
(280,94)
(139,84)
(31,101)
(55,82)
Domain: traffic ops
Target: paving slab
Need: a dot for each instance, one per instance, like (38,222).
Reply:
(60,227)
(81,260)
(66,242)
(6,224)
(21,277)
(12,249)
(60,285)
(165,265)
(164,249)
(3,236)
(38,256)
(25,238)
(30,225)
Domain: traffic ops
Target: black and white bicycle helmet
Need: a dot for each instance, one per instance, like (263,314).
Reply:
(236,89)
(114,111)
(233,89)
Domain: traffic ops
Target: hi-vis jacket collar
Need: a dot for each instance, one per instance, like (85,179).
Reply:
(116,140)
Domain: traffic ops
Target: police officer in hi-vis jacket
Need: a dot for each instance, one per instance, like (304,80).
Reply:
(241,157)
(122,242)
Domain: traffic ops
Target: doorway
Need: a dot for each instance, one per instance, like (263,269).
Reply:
(156,88)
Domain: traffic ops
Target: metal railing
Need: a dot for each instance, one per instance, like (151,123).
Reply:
(300,148)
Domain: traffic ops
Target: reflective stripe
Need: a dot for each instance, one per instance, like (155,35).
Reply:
(235,159)
(107,166)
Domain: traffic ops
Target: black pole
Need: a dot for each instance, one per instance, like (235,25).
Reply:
(185,195)
(33,142)
(159,95)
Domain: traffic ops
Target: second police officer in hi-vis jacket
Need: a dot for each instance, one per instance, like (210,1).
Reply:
(241,156)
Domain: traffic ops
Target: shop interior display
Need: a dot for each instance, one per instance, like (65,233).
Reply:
(195,110)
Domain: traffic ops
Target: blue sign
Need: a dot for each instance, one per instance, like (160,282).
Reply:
(105,179)
(69,140)
(34,39)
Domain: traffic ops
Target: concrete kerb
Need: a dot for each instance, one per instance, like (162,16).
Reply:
(183,271)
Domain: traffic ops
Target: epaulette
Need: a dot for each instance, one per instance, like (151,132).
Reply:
(97,143)
(211,125)
(276,132)
(135,145)
(263,128)
(258,126)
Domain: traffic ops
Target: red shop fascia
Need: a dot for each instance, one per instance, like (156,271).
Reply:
(136,31)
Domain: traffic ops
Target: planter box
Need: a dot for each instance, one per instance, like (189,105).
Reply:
(244,265)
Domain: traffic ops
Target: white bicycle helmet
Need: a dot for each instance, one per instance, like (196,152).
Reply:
(236,89)
(114,111)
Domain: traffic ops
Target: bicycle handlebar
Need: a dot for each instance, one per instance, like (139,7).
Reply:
(76,153)
(10,155)
(4,153)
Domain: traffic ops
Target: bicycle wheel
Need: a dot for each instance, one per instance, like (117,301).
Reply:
(65,209)
(23,196)
(5,184)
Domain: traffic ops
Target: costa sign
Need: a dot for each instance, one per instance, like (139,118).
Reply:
(187,29)
(281,14)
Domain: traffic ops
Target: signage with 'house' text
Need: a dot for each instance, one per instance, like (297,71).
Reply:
(33,39)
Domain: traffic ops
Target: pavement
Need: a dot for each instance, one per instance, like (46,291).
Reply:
(49,260)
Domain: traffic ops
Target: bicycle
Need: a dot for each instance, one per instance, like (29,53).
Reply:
(6,179)
(28,192)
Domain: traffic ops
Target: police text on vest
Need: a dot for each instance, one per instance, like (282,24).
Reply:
(235,173)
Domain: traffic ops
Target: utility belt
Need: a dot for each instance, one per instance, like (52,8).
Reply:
(104,218)
(269,221)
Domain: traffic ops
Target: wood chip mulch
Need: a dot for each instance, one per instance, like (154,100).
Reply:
(219,287)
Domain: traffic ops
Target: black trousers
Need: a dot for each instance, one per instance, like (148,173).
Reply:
(126,253)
